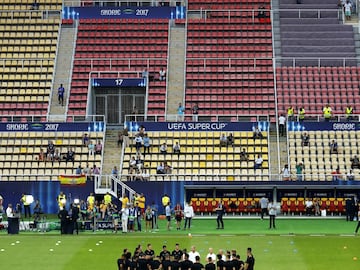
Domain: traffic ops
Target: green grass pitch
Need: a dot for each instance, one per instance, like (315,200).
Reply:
(300,244)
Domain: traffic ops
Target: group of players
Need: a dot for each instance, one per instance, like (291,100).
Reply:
(182,260)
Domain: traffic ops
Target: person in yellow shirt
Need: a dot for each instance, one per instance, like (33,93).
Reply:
(107,198)
(91,201)
(124,200)
(301,114)
(327,112)
(141,201)
(348,113)
(103,209)
(26,204)
(165,201)
(61,199)
(290,113)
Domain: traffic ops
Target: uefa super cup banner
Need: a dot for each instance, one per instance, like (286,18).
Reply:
(127,12)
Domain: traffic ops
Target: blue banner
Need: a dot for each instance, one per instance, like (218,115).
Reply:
(129,12)
(309,126)
(51,127)
(133,82)
(197,126)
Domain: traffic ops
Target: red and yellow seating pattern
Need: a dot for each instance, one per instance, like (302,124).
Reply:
(293,205)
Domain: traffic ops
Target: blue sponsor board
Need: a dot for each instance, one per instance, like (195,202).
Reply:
(51,127)
(133,82)
(129,12)
(197,126)
(313,126)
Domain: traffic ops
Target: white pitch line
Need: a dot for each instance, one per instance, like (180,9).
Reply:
(317,235)
(291,235)
(257,234)
(347,235)
(228,235)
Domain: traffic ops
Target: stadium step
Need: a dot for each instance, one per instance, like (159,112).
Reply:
(111,152)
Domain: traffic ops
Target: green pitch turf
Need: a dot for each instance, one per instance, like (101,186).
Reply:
(298,244)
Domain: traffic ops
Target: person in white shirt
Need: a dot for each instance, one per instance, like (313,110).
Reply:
(350,175)
(163,148)
(193,253)
(282,121)
(162,74)
(176,148)
(347,7)
(124,218)
(286,173)
(258,162)
(272,214)
(223,140)
(308,206)
(10,211)
(189,214)
(211,254)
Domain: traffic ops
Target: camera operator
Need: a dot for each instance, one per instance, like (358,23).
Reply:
(64,220)
(37,213)
(74,218)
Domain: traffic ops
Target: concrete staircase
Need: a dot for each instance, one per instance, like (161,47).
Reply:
(176,72)
(63,72)
(276,29)
(112,152)
(273,152)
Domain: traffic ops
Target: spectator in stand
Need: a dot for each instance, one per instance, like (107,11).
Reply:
(176,148)
(95,172)
(282,121)
(337,175)
(163,148)
(57,156)
(258,162)
(35,5)
(61,91)
(85,139)
(98,148)
(305,139)
(195,112)
(223,140)
(132,165)
(146,143)
(230,140)
(139,162)
(41,156)
(167,168)
(347,9)
(301,114)
(78,170)
(162,74)
(115,172)
(141,131)
(286,173)
(350,176)
(145,73)
(160,168)
(333,147)
(355,163)
(181,111)
(145,175)
(91,148)
(257,134)
(50,150)
(126,137)
(120,139)
(261,14)
(300,171)
(327,111)
(138,142)
(244,155)
(87,171)
(70,155)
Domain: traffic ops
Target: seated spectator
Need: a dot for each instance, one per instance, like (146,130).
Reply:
(355,163)
(98,148)
(230,140)
(132,165)
(70,155)
(85,139)
(223,140)
(305,139)
(333,147)
(138,143)
(138,175)
(139,162)
(167,168)
(336,175)
(176,148)
(162,74)
(95,172)
(50,150)
(78,170)
(57,155)
(41,156)
(257,134)
(244,155)
(146,143)
(145,175)
(262,14)
(258,162)
(115,172)
(35,5)
(160,168)
(309,206)
(163,149)
(91,148)
(286,173)
(350,176)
